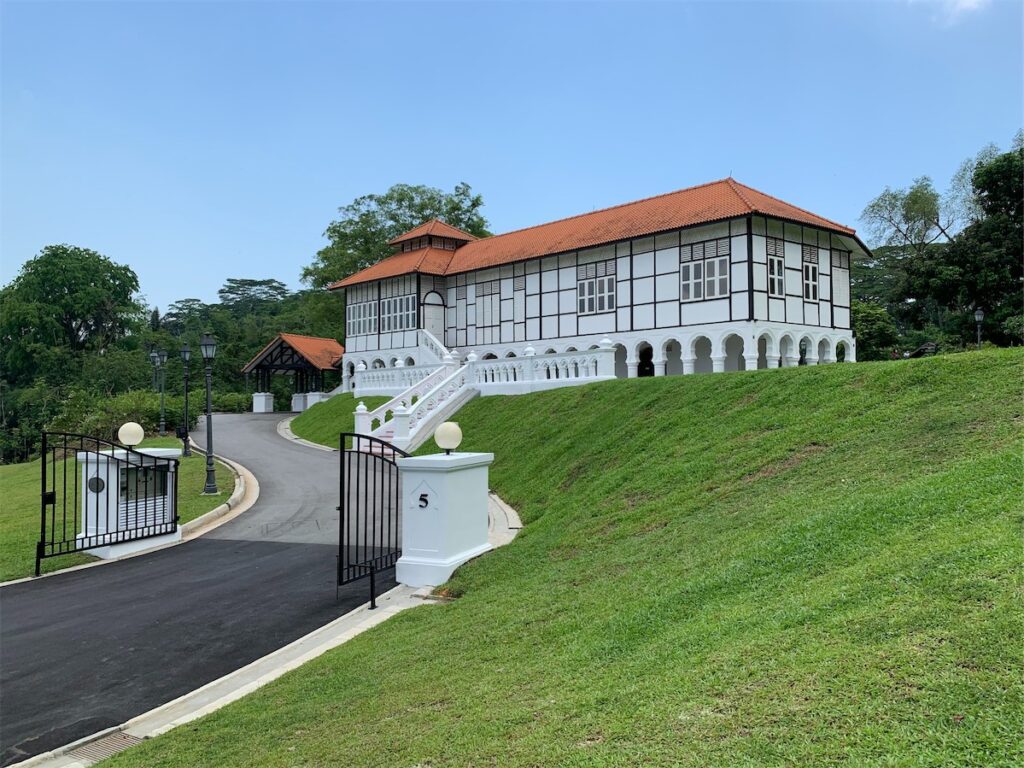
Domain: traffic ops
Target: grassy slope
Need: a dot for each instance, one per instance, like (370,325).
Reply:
(805,566)
(19,509)
(325,421)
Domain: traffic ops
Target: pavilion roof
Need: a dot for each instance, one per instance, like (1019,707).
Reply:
(322,354)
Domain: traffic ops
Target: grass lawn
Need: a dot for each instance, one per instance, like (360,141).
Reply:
(807,566)
(325,421)
(19,509)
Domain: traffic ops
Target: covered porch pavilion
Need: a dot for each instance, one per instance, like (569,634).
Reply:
(310,361)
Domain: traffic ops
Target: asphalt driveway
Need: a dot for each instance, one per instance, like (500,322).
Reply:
(87,650)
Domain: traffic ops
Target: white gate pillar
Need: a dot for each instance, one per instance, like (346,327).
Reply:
(444,515)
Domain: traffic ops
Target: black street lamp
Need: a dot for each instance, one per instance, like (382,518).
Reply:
(186,355)
(208,347)
(158,358)
(979,317)
(163,386)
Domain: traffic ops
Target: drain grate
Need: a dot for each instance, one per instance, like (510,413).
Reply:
(103,748)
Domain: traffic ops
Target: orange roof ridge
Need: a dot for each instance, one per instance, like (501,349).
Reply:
(428,227)
(735,187)
(802,210)
(306,336)
(319,351)
(603,210)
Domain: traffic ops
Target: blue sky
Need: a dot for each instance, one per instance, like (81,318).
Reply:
(198,141)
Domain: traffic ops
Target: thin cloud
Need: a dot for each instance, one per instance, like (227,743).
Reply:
(952,11)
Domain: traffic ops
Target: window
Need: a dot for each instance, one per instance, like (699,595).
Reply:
(488,303)
(704,270)
(361,319)
(810,259)
(595,287)
(776,267)
(139,483)
(398,314)
(810,282)
(841,259)
(692,287)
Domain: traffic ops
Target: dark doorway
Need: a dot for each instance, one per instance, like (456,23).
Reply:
(646,365)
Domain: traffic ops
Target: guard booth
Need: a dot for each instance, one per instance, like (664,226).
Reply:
(104,498)
(310,361)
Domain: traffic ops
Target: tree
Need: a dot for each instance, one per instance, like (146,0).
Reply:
(944,256)
(911,218)
(243,296)
(875,331)
(359,238)
(65,300)
(984,263)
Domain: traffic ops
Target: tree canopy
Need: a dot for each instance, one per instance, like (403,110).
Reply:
(359,237)
(944,256)
(65,300)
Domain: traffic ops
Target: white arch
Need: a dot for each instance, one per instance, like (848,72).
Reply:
(824,350)
(771,349)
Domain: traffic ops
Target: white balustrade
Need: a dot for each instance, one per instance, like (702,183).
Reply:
(390,381)
(443,390)
(429,342)
(532,373)
(364,418)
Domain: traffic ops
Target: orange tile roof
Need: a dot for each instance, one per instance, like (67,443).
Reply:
(703,204)
(321,353)
(428,261)
(434,227)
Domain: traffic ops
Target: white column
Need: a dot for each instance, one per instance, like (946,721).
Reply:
(444,515)
(606,358)
(718,363)
(750,362)
(810,359)
(688,365)
(659,367)
(631,368)
(262,402)
(790,361)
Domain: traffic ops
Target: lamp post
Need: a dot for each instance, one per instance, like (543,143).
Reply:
(979,317)
(208,348)
(158,358)
(154,360)
(163,386)
(186,355)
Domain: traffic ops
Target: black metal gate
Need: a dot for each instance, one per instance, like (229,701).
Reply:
(370,537)
(95,493)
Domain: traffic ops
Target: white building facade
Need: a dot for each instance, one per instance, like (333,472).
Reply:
(762,284)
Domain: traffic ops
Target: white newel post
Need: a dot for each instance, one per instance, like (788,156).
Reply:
(262,402)
(298,402)
(400,425)
(362,419)
(444,515)
(529,367)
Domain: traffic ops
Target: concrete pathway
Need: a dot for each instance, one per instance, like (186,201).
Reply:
(94,648)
